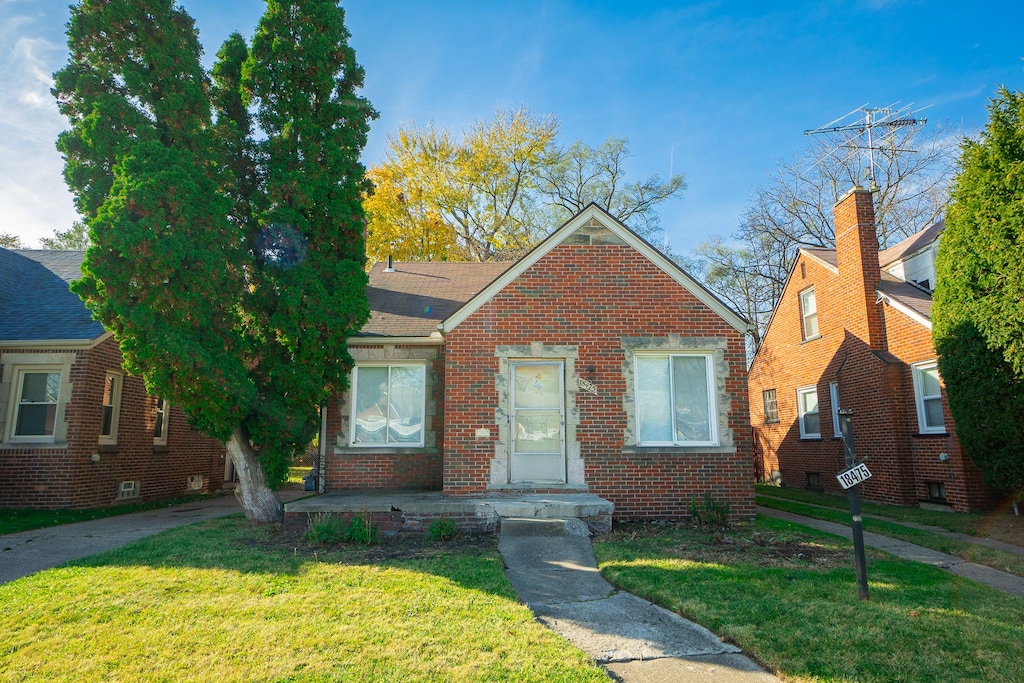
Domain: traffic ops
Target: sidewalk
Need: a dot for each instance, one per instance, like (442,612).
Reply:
(550,562)
(28,552)
(1014,585)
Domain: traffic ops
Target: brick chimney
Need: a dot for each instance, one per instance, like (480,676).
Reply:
(857,258)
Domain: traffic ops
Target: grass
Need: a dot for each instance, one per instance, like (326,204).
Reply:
(830,508)
(787,595)
(227,601)
(14,520)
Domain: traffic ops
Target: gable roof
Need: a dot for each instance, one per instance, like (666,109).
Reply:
(35,301)
(414,298)
(906,297)
(588,217)
(919,240)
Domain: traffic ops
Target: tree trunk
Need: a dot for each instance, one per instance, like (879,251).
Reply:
(260,503)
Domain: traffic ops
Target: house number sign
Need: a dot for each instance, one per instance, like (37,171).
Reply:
(586,385)
(853,476)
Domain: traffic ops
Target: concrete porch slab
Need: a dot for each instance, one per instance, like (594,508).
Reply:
(488,509)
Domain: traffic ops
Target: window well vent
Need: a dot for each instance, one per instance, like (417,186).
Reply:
(128,489)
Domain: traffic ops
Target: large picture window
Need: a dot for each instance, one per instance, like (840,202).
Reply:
(388,405)
(675,400)
(36,407)
(928,395)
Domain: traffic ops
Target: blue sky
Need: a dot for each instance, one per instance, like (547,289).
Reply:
(717,90)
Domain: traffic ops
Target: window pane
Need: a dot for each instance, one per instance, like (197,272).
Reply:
(690,386)
(812,425)
(35,419)
(809,402)
(539,431)
(371,405)
(538,386)
(405,417)
(653,403)
(40,387)
(930,381)
(933,412)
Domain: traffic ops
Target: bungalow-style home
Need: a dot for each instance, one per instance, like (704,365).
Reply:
(852,330)
(75,430)
(593,364)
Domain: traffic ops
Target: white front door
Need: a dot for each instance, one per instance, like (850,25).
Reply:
(538,423)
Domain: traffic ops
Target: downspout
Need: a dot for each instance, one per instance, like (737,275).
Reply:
(322,469)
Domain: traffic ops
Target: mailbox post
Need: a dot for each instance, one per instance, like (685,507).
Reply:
(860,563)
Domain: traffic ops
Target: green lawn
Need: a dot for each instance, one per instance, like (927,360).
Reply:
(877,519)
(227,601)
(788,596)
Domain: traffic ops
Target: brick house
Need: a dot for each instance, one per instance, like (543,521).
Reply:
(853,330)
(75,430)
(593,364)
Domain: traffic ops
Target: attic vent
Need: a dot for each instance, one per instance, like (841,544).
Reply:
(128,489)
(391,266)
(195,482)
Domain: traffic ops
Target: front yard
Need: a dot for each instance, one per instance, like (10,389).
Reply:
(224,601)
(787,595)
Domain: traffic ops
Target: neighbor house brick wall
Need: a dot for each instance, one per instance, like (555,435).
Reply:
(589,303)
(868,348)
(66,474)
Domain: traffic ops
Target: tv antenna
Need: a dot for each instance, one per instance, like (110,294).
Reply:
(874,128)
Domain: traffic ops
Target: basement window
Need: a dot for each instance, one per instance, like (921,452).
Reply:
(937,491)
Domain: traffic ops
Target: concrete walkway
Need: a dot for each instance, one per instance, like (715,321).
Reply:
(1009,583)
(28,552)
(551,565)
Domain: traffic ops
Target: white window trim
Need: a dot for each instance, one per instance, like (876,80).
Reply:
(805,314)
(709,366)
(354,403)
(118,377)
(161,439)
(833,397)
(919,397)
(18,373)
(800,393)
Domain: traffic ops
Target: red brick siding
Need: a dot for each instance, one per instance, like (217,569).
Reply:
(593,298)
(868,348)
(50,477)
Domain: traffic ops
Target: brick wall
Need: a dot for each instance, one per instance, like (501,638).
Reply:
(588,303)
(67,474)
(867,348)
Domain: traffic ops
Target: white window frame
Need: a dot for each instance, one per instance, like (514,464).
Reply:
(15,403)
(709,368)
(809,314)
(833,397)
(801,392)
(918,370)
(163,406)
(354,407)
(115,405)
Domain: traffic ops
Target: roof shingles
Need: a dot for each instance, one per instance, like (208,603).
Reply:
(412,300)
(35,301)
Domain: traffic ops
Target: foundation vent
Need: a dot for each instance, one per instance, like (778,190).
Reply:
(128,489)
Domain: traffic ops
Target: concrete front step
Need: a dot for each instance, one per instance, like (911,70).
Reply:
(549,527)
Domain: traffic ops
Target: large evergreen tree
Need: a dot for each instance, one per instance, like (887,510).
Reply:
(226,260)
(979,296)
